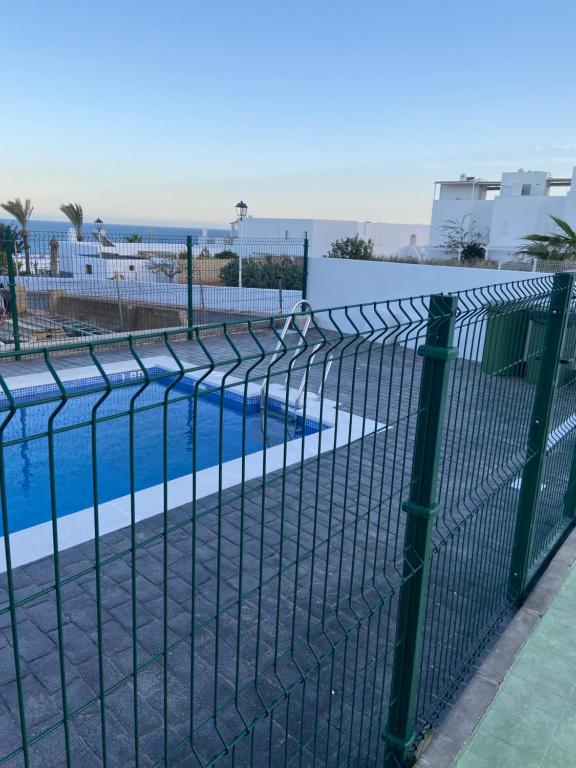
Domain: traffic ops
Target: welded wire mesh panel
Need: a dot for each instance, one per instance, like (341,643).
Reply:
(203,543)
(237,278)
(554,513)
(63,288)
(203,538)
(490,398)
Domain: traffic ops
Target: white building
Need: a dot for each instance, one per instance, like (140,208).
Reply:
(505,211)
(99,258)
(387,238)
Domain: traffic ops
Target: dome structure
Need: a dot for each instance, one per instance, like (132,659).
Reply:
(410,251)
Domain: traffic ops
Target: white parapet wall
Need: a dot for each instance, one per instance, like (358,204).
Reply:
(340,283)
(267,301)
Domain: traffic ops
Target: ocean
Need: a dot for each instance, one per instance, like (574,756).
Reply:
(145,230)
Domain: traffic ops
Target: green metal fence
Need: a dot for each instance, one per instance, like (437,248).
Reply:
(267,549)
(63,288)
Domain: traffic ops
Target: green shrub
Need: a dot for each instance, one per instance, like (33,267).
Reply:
(226,255)
(264,274)
(351,248)
(473,252)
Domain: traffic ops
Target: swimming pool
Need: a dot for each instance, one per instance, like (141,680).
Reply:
(289,442)
(226,425)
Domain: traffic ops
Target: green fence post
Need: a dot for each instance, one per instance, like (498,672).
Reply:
(305,268)
(12,288)
(538,434)
(421,509)
(190,285)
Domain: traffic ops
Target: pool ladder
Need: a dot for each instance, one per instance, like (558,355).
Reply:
(301,306)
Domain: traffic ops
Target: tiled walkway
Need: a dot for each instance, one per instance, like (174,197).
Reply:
(532,719)
(278,599)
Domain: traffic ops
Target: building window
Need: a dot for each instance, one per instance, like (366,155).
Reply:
(88,269)
(131,268)
(526,190)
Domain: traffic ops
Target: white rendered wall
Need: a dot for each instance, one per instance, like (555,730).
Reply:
(268,300)
(344,283)
(515,217)
(274,228)
(102,268)
(321,233)
(480,211)
(325,232)
(387,237)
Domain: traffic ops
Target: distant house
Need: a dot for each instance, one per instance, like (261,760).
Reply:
(505,211)
(100,258)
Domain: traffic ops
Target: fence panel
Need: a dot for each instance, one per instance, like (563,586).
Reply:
(486,448)
(111,284)
(532,264)
(203,539)
(237,606)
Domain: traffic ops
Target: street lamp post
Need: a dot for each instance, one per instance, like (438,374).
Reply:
(241,211)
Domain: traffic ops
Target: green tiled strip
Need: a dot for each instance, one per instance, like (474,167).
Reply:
(531,722)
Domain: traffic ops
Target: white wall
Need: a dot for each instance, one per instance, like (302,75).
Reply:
(387,237)
(321,233)
(276,228)
(515,217)
(342,282)
(74,256)
(443,210)
(268,300)
(103,268)
(324,233)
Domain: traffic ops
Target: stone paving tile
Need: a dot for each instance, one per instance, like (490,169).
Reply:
(532,719)
(326,552)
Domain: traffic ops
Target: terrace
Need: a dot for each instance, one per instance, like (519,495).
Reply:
(263,621)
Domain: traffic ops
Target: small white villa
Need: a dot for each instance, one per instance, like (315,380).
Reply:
(99,258)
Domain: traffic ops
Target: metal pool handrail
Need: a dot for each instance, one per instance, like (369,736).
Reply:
(280,345)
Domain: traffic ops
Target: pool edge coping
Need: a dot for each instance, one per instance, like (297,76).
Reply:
(339,428)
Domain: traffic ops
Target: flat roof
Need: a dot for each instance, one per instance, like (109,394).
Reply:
(473,183)
(558,182)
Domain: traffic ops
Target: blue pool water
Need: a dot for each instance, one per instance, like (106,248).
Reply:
(27,463)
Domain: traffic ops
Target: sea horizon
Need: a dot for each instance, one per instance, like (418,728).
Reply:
(144,230)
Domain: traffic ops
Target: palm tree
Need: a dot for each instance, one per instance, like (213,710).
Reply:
(556,246)
(22,213)
(75,214)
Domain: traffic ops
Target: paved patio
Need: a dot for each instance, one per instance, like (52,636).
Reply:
(265,627)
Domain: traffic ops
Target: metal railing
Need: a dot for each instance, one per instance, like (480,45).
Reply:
(532,264)
(184,582)
(112,284)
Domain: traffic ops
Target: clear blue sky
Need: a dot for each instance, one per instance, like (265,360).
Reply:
(169,111)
